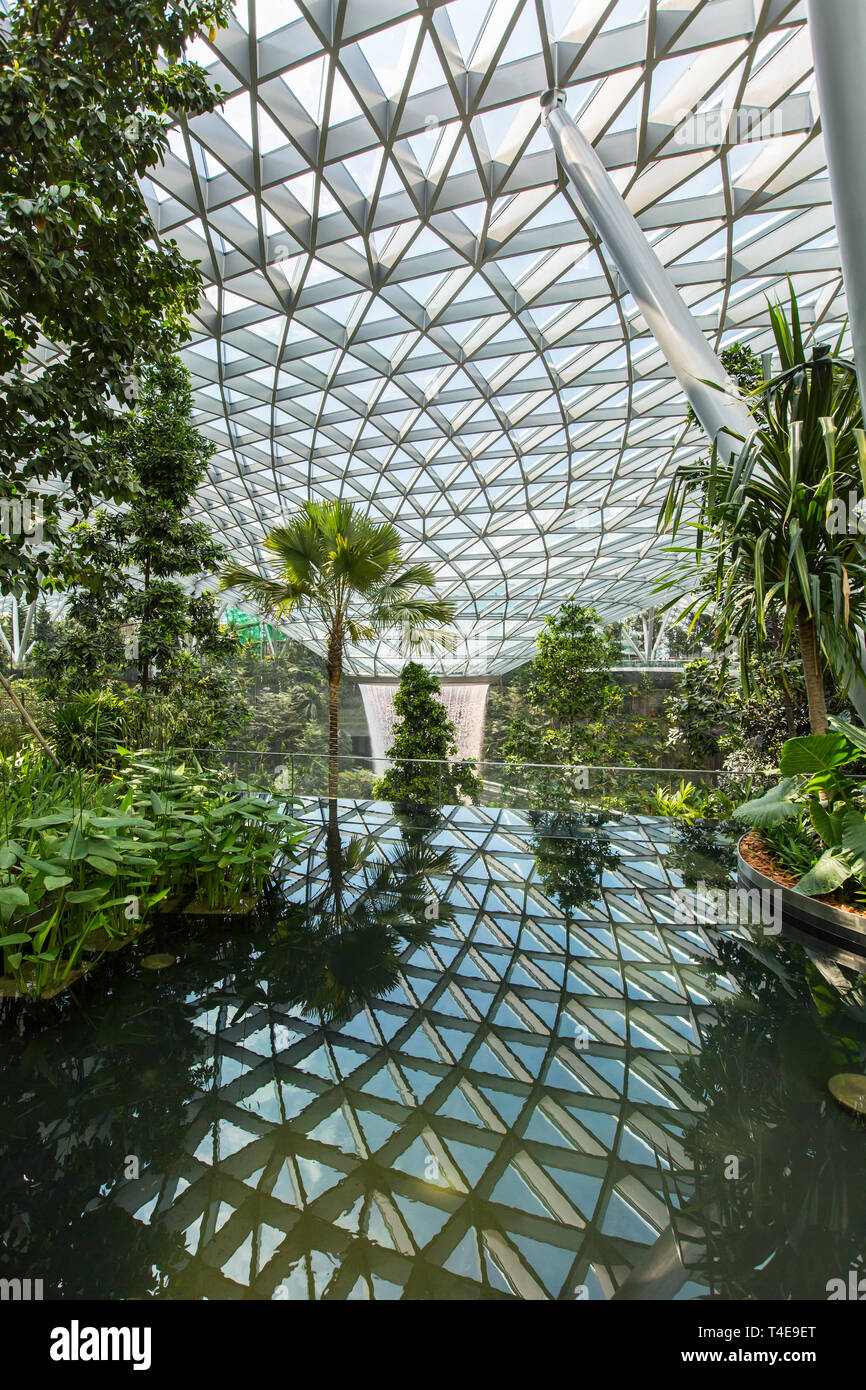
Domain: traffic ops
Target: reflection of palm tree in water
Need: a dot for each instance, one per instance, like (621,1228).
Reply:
(342,944)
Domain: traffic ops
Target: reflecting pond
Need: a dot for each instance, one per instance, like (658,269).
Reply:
(486,1057)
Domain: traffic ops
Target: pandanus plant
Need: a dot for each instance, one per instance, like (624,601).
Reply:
(777,546)
(340,568)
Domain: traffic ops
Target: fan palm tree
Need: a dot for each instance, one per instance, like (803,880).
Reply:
(336,565)
(777,568)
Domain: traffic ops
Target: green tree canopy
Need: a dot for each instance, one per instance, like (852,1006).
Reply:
(571,670)
(88,89)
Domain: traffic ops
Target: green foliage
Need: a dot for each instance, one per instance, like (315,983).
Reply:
(794,844)
(680,804)
(198,710)
(571,670)
(819,795)
(87,94)
(127,563)
(715,723)
(690,803)
(84,858)
(128,609)
(423,775)
(566,709)
(338,565)
(507,702)
(86,729)
(697,712)
(781,576)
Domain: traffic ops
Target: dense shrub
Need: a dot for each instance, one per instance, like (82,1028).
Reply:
(423,774)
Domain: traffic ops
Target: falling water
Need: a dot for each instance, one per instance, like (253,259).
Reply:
(466,705)
(379,709)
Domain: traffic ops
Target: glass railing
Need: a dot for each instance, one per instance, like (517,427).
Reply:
(433,784)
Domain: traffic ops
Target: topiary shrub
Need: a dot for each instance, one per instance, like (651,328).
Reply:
(423,775)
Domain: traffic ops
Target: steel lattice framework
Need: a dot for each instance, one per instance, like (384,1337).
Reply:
(405,306)
(509,1119)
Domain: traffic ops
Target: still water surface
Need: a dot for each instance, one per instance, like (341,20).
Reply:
(480,1059)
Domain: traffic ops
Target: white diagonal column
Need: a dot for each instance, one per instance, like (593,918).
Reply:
(709,390)
(838,30)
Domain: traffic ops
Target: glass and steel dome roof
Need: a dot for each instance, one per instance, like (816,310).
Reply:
(406,306)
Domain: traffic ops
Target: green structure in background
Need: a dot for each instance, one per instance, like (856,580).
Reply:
(250,629)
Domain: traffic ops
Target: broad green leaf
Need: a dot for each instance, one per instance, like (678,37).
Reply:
(830,872)
(16,939)
(42,866)
(86,895)
(854,840)
(852,732)
(105,866)
(115,822)
(816,753)
(56,818)
(13,896)
(767,810)
(53,881)
(827,827)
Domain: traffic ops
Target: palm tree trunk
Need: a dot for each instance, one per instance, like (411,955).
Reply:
(812,671)
(335,671)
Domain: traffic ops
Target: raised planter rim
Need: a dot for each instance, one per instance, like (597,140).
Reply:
(804,913)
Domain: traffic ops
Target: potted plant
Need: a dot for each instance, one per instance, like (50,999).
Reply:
(808,835)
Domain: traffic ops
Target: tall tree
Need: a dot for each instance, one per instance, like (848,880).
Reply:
(782,572)
(88,89)
(131,605)
(571,670)
(337,566)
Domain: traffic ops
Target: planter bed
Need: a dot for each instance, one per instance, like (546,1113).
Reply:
(825,917)
(102,944)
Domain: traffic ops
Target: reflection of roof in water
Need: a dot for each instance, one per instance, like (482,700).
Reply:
(495,1123)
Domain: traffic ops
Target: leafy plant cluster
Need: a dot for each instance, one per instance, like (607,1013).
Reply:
(135,645)
(565,708)
(714,723)
(84,857)
(690,802)
(774,571)
(88,92)
(819,801)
